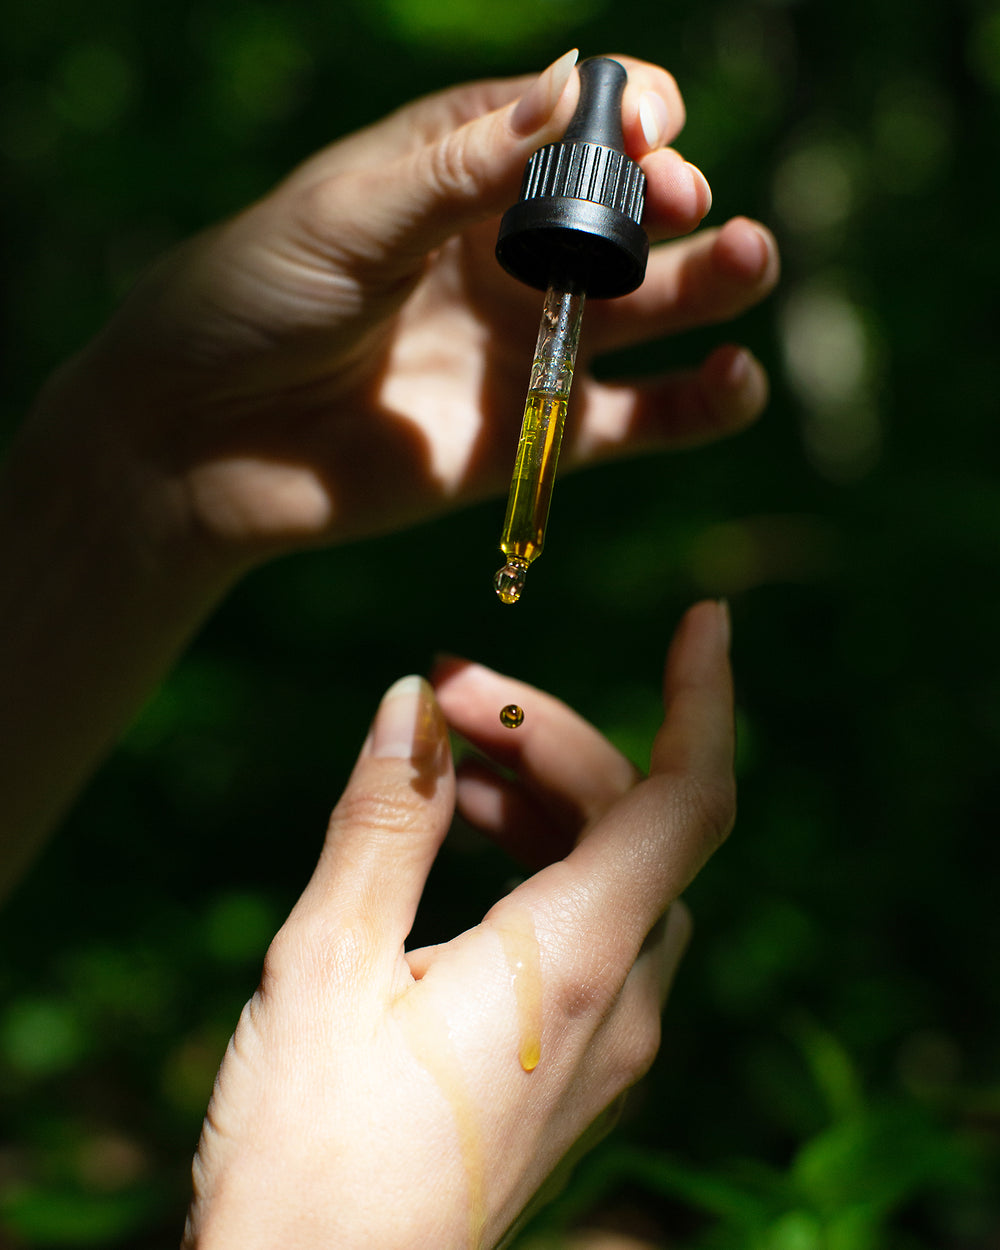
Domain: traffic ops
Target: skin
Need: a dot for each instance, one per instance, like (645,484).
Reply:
(342,358)
(356,316)
(351,1036)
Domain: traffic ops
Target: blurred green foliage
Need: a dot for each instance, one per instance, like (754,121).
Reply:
(829,1077)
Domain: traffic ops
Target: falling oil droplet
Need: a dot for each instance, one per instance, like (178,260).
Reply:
(511,716)
(509,581)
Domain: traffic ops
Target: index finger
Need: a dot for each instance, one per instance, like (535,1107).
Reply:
(433,116)
(409,127)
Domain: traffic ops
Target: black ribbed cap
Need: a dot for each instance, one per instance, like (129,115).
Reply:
(578,218)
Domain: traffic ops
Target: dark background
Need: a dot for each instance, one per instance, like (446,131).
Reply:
(829,1077)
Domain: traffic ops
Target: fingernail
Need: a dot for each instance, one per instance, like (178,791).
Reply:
(702,190)
(538,103)
(653,118)
(408,724)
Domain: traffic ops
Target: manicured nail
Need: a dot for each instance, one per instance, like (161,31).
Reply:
(538,103)
(702,189)
(408,724)
(653,118)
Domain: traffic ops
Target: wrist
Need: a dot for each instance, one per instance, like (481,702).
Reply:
(102,583)
(91,477)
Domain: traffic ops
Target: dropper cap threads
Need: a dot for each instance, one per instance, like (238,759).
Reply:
(579,216)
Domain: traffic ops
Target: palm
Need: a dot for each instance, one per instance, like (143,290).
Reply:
(306,373)
(296,442)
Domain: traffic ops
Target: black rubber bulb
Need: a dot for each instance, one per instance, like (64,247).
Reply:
(578,221)
(598,116)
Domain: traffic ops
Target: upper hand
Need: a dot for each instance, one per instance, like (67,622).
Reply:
(374,1096)
(346,356)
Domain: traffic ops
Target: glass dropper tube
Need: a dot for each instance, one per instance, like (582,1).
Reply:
(523,534)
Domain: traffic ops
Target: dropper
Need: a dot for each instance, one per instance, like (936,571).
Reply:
(574,232)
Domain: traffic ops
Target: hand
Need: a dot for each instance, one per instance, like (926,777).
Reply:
(341,358)
(377,1097)
(346,356)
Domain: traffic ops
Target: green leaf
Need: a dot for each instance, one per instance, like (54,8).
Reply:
(41,1036)
(831,1066)
(42,1216)
(879,1161)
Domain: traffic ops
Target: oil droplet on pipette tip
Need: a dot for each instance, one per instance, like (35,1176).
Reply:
(509,581)
(511,716)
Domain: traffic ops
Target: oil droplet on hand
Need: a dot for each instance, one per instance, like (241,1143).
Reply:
(511,716)
(509,581)
(430,1041)
(520,948)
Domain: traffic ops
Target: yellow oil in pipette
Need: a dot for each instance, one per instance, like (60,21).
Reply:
(538,447)
(530,490)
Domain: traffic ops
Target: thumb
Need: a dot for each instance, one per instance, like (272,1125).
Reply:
(390,214)
(389,823)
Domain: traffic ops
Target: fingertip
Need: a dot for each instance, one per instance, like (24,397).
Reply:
(463,174)
(702,192)
(736,386)
(697,738)
(444,667)
(388,824)
(678,195)
(473,697)
(747,251)
(409,725)
(542,98)
(653,112)
(708,619)
(699,650)
(456,681)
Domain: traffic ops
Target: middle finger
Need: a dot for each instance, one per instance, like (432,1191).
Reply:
(709,278)
(558,756)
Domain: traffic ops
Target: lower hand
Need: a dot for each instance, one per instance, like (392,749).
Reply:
(375,1096)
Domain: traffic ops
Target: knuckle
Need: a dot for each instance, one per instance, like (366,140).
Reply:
(589,996)
(448,166)
(589,964)
(638,1048)
(323,197)
(326,227)
(281,960)
(383,811)
(316,948)
(628,1050)
(319,204)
